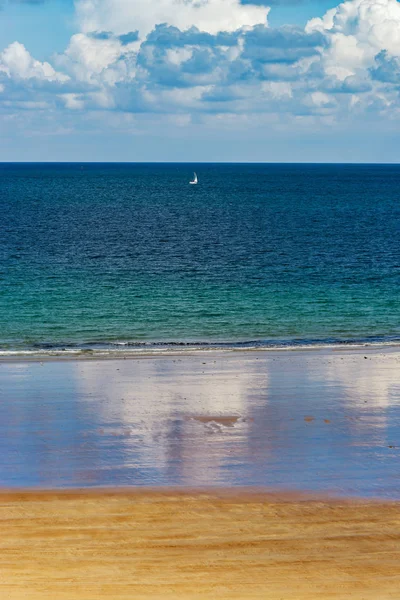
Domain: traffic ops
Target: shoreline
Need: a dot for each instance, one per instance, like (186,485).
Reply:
(228,494)
(151,545)
(116,354)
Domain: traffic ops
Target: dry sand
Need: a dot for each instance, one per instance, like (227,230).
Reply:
(181,545)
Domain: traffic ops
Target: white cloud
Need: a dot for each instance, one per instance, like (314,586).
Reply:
(17,63)
(320,99)
(72,101)
(93,54)
(177,56)
(218,57)
(92,60)
(277,89)
(123,16)
(357,30)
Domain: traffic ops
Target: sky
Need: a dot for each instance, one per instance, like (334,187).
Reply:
(200,80)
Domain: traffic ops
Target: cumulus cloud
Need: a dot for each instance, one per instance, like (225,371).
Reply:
(212,16)
(16,62)
(94,59)
(386,68)
(357,31)
(190,58)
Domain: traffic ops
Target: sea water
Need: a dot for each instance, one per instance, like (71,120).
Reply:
(126,255)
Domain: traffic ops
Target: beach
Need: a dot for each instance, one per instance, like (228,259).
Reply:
(175,544)
(325,420)
(199,361)
(204,474)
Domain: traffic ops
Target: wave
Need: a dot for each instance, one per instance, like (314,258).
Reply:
(125,347)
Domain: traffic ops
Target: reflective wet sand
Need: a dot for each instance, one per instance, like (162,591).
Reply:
(321,421)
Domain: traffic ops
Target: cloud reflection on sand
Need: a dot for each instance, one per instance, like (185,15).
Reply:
(324,421)
(371,389)
(189,415)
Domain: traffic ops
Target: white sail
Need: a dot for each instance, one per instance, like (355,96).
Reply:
(194,180)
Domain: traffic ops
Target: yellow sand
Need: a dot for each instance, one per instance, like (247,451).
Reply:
(149,544)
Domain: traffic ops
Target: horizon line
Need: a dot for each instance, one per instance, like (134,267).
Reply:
(192,162)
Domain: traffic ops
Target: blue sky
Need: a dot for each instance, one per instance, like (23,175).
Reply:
(46,27)
(289,80)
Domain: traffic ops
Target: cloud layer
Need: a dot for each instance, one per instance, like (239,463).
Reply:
(214,59)
(212,16)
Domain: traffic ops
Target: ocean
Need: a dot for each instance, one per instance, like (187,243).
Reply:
(117,256)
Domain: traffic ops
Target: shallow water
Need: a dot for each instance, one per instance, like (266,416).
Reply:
(95,254)
(325,421)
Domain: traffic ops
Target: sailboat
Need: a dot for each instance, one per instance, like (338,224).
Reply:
(194,180)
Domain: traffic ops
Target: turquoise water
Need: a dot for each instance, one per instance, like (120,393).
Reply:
(100,254)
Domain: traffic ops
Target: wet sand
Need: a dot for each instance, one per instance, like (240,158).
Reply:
(322,422)
(326,421)
(188,545)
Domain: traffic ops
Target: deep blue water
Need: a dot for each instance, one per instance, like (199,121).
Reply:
(99,253)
